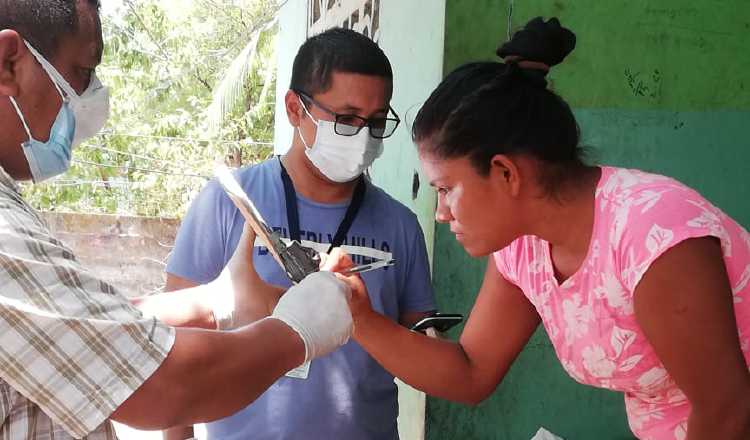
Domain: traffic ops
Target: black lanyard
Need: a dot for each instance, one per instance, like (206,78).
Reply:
(292,213)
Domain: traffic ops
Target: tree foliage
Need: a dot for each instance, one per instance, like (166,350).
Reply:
(191,81)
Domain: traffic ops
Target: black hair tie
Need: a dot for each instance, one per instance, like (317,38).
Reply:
(532,71)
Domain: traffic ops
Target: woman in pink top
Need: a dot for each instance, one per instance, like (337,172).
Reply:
(642,285)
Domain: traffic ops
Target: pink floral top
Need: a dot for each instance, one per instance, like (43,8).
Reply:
(589,317)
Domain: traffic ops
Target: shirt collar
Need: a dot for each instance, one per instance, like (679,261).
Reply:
(7,181)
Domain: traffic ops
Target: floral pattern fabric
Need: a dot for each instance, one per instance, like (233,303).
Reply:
(590,318)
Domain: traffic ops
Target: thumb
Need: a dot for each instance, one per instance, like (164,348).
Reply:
(247,240)
(356,286)
(243,254)
(337,261)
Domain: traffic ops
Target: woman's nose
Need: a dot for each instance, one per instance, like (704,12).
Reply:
(442,213)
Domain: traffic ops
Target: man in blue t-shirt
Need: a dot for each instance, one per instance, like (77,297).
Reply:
(338,103)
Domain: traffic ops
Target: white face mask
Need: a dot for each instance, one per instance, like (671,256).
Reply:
(91,109)
(341,158)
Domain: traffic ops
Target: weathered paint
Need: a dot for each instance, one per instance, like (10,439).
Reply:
(292,33)
(412,37)
(637,54)
(660,86)
(709,151)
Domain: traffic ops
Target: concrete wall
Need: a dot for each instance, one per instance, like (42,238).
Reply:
(128,252)
(661,86)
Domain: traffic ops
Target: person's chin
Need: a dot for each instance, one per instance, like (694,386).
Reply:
(473,249)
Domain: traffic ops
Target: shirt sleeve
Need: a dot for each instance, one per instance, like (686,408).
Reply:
(69,342)
(656,221)
(78,371)
(199,252)
(417,294)
(504,264)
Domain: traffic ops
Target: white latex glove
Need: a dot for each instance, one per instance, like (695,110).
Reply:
(317,310)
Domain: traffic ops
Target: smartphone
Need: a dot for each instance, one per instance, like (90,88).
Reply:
(442,322)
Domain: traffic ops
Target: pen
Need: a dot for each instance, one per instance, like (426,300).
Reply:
(368,267)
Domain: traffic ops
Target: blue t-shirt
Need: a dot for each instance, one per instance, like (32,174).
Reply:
(347,394)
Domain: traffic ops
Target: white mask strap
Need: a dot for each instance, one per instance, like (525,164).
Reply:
(306,111)
(57,79)
(302,138)
(299,130)
(20,116)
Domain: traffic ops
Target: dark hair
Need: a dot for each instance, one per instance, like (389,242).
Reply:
(42,22)
(506,108)
(336,50)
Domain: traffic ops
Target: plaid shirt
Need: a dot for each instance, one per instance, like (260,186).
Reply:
(72,348)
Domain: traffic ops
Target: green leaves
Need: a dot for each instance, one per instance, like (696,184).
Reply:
(190,82)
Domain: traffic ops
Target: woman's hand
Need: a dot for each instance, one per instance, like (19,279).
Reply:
(339,261)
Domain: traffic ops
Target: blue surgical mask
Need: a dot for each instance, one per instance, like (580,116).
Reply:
(51,158)
(91,108)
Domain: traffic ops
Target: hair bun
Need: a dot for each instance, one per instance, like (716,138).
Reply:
(545,42)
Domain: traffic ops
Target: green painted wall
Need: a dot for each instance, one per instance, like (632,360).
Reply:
(662,86)
(683,53)
(708,150)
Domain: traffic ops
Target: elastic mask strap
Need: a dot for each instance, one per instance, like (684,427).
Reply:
(299,131)
(304,142)
(20,116)
(57,79)
(317,123)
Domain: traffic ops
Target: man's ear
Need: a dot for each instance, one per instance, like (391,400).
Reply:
(294,110)
(504,171)
(11,50)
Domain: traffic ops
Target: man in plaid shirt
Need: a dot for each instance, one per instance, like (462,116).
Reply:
(74,352)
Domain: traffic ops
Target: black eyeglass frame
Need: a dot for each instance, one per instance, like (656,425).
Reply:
(365,121)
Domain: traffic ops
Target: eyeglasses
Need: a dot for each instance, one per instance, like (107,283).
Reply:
(350,125)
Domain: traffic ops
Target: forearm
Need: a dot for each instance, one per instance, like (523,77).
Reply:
(181,308)
(429,364)
(251,311)
(209,375)
(233,371)
(193,307)
(732,423)
(178,433)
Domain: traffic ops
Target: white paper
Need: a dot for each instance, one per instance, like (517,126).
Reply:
(300,372)
(543,434)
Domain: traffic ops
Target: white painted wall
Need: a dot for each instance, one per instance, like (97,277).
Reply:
(412,35)
(292,33)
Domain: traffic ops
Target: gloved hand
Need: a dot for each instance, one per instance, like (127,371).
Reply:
(317,310)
